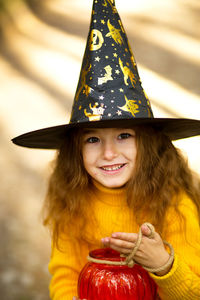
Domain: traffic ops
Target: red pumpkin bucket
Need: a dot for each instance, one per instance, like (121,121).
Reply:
(99,281)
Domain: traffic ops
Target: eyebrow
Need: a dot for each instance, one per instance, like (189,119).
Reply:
(89,131)
(94,131)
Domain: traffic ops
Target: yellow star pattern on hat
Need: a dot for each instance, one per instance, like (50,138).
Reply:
(109,76)
(119,113)
(97,58)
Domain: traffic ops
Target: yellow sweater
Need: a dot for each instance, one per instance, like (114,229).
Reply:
(112,214)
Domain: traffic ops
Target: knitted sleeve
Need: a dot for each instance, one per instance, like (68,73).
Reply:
(183,280)
(65,266)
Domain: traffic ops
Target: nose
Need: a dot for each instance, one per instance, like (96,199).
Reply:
(109,150)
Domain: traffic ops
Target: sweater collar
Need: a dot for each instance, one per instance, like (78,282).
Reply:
(114,197)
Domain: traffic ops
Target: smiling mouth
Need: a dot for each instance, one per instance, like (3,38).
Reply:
(113,168)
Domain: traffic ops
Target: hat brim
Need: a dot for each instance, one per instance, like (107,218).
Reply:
(52,137)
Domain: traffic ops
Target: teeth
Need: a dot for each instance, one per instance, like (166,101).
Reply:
(112,168)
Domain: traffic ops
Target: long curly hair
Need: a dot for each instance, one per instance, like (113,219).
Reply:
(160,173)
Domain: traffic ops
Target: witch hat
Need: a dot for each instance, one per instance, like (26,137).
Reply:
(109,91)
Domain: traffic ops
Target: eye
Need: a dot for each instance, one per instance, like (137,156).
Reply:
(124,135)
(92,140)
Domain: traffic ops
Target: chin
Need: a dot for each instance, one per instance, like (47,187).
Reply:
(114,185)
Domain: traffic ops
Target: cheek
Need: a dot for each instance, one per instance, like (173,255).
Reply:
(88,159)
(132,152)
(90,167)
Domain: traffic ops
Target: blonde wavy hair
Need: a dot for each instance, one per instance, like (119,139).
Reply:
(160,173)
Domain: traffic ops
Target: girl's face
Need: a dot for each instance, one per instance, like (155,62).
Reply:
(109,155)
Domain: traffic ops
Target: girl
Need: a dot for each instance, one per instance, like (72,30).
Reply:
(117,168)
(105,184)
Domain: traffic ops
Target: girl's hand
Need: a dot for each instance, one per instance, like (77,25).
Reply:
(151,253)
(76,298)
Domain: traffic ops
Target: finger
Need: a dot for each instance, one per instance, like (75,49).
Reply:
(146,230)
(120,250)
(122,244)
(106,241)
(129,237)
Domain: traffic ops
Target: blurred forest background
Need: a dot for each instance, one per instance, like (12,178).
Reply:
(41,49)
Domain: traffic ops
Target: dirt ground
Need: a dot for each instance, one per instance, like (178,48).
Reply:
(41,49)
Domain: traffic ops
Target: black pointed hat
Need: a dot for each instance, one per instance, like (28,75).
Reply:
(109,92)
